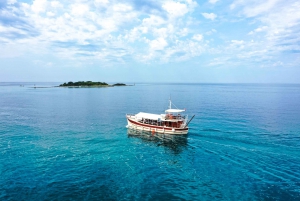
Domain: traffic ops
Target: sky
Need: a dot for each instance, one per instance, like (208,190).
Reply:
(187,41)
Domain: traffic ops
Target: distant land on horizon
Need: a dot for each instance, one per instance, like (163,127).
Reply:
(89,84)
(172,83)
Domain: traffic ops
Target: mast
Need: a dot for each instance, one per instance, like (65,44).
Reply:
(170,103)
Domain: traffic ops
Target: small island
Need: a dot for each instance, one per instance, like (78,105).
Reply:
(89,84)
(119,84)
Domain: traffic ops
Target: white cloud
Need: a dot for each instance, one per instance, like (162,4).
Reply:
(259,29)
(56,4)
(153,20)
(237,42)
(39,6)
(102,1)
(182,50)
(223,60)
(163,31)
(50,14)
(211,32)
(106,30)
(213,1)
(260,8)
(183,32)
(122,8)
(9,31)
(11,1)
(210,16)
(158,44)
(278,23)
(175,8)
(179,8)
(198,37)
(79,9)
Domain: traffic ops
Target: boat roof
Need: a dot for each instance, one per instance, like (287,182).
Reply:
(148,116)
(174,111)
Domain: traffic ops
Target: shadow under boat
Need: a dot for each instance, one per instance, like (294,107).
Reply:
(176,143)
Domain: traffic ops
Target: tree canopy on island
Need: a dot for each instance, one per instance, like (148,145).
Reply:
(88,84)
(119,84)
(83,83)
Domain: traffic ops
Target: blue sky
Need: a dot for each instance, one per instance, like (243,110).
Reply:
(222,41)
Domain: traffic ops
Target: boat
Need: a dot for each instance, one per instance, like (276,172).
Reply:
(172,122)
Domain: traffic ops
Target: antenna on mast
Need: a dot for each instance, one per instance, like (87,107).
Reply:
(170,102)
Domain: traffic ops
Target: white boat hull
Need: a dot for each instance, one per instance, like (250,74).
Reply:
(155,129)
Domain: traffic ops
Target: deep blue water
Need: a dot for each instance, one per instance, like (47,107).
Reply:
(72,143)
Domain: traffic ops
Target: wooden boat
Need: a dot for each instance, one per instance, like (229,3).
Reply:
(172,122)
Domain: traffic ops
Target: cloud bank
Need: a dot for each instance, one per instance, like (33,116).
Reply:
(101,29)
(242,32)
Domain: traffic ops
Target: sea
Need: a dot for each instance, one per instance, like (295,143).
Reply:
(73,144)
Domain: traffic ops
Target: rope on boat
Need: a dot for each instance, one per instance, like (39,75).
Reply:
(189,121)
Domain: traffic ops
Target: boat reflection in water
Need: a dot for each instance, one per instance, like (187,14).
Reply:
(176,143)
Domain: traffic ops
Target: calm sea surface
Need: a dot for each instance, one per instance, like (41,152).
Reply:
(72,143)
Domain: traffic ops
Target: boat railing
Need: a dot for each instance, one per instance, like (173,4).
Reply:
(175,117)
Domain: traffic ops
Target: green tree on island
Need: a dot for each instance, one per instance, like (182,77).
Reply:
(88,84)
(83,83)
(119,84)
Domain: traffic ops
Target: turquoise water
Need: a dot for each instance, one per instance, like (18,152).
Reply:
(72,143)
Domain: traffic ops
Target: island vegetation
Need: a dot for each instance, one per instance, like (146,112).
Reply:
(119,84)
(83,83)
(89,84)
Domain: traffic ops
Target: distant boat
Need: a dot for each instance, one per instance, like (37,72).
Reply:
(172,122)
